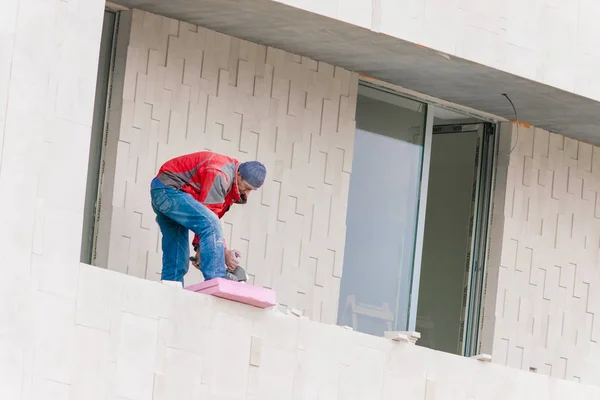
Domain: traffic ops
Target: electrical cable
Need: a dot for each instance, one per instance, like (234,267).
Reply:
(516,119)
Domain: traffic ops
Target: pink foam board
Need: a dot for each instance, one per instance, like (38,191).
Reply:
(236,291)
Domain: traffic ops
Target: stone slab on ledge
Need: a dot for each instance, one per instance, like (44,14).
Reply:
(236,291)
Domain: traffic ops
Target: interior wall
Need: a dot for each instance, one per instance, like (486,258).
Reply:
(548,283)
(446,240)
(187,89)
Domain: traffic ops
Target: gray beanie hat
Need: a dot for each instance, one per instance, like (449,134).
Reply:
(253,172)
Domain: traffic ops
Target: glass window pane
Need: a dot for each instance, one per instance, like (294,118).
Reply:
(382,212)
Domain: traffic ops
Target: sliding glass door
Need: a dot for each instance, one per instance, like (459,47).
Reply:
(382,215)
(417,221)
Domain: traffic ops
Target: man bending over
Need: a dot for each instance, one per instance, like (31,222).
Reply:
(191,193)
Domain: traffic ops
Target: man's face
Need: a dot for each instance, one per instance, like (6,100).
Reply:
(244,187)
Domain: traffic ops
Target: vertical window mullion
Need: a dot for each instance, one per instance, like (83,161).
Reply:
(414,294)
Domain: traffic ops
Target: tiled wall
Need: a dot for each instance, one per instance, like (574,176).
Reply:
(188,89)
(130,338)
(548,283)
(47,85)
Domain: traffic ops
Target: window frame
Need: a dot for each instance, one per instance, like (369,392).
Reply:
(474,310)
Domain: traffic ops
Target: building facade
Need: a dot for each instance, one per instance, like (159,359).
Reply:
(422,176)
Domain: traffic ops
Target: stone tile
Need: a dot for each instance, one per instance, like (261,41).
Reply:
(136,356)
(188,321)
(54,276)
(92,376)
(410,387)
(11,367)
(255,351)
(53,324)
(99,292)
(362,377)
(146,298)
(51,390)
(69,146)
(276,374)
(227,355)
(182,376)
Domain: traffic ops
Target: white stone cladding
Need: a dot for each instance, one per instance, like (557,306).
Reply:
(188,89)
(124,337)
(48,65)
(548,283)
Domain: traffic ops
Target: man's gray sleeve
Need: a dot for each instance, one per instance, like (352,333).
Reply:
(218,190)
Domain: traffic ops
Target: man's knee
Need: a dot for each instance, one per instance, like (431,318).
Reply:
(212,226)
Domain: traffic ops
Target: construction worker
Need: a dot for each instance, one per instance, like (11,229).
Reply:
(191,193)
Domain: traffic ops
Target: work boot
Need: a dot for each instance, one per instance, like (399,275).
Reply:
(237,275)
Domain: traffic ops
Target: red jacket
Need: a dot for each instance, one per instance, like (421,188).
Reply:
(209,177)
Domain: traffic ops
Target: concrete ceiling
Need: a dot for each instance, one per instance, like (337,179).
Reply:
(390,59)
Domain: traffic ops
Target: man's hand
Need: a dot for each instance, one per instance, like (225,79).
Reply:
(196,262)
(232,259)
